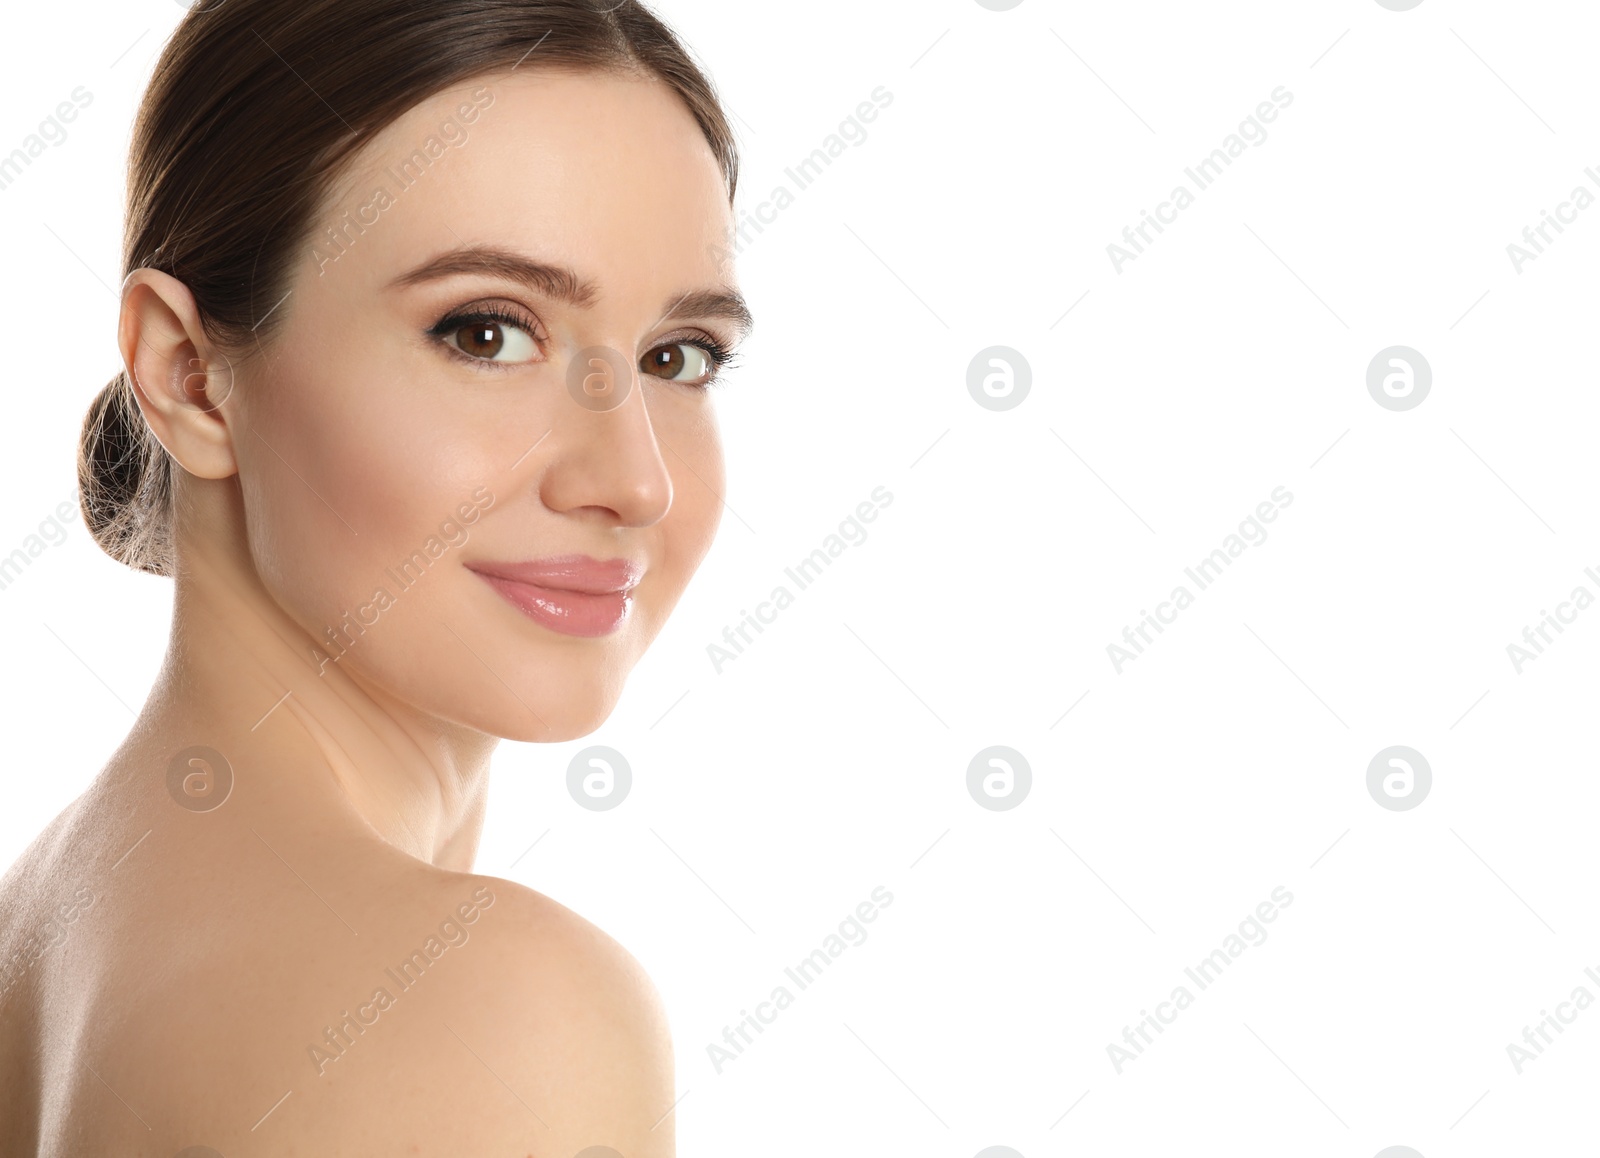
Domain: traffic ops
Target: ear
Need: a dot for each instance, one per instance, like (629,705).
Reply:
(180,379)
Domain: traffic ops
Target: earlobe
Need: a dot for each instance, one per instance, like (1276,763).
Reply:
(179,377)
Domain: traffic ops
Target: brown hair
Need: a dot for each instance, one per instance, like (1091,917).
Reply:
(253,109)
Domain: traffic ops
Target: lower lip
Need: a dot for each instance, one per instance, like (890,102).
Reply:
(568,612)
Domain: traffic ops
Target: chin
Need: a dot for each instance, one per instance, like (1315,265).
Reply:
(567,717)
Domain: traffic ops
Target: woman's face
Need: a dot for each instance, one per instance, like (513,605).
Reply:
(454,405)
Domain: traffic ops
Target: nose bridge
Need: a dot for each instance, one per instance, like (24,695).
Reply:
(607,454)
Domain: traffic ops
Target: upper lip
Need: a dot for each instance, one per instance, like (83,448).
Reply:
(580,573)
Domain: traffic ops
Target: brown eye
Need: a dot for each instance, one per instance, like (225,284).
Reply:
(490,340)
(480,339)
(678,362)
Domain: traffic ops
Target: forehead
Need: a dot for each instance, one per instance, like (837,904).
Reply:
(601,169)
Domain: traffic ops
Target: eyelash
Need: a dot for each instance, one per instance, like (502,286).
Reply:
(721,357)
(453,322)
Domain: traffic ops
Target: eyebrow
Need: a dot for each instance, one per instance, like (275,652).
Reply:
(720,303)
(564,284)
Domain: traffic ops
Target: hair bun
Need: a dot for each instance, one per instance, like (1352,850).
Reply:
(125,481)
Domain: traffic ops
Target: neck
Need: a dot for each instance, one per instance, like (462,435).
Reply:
(240,672)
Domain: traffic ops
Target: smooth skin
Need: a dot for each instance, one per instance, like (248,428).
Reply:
(180,1005)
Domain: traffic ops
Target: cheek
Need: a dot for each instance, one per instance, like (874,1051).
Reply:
(349,473)
(698,482)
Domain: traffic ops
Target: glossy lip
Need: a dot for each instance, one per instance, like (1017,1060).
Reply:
(579,573)
(571,594)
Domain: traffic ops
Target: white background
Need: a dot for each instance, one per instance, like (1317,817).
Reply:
(1227,760)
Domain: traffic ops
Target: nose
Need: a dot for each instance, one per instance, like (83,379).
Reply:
(605,456)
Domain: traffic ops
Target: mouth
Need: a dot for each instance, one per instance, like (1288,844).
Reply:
(571,594)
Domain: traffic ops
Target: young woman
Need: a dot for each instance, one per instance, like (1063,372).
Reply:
(422,303)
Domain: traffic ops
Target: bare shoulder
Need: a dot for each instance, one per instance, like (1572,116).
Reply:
(540,955)
(390,1008)
(588,994)
(530,1025)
